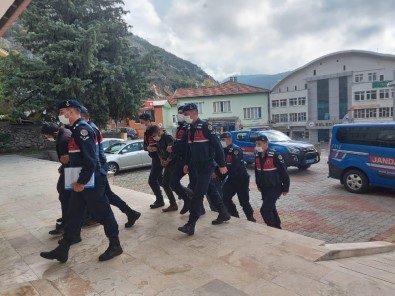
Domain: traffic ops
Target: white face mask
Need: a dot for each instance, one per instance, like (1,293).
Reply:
(180,118)
(156,138)
(258,149)
(143,126)
(63,119)
(224,145)
(188,119)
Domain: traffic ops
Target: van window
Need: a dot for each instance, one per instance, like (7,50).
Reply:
(368,136)
(241,137)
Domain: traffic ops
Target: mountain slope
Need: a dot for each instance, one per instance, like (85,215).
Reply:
(261,80)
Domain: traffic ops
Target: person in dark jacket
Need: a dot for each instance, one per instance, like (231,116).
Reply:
(204,151)
(114,199)
(238,181)
(155,176)
(62,136)
(163,140)
(271,178)
(83,157)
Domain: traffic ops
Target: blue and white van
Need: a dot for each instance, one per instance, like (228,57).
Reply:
(363,155)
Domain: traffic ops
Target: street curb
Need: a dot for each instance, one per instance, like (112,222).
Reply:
(347,250)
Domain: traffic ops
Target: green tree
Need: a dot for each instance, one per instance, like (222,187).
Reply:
(79,50)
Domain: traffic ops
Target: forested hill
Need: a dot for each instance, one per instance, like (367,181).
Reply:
(170,72)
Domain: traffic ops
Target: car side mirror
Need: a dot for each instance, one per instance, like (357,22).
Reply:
(123,151)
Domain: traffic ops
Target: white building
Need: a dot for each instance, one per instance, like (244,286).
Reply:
(350,85)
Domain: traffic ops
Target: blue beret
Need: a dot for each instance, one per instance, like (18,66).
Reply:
(69,104)
(145,116)
(190,106)
(84,110)
(181,108)
(225,135)
(261,138)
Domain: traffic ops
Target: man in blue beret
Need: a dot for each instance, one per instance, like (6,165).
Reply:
(82,154)
(238,181)
(205,151)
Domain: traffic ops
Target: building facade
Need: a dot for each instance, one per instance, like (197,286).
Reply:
(346,86)
(228,106)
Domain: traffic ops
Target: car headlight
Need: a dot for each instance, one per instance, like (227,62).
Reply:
(293,150)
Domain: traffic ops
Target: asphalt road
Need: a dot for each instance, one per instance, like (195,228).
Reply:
(316,206)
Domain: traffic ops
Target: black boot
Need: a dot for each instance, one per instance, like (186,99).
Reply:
(58,229)
(133,216)
(158,203)
(251,218)
(61,253)
(222,216)
(114,249)
(188,228)
(186,206)
(75,240)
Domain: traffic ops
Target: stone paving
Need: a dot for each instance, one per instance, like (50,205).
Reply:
(316,206)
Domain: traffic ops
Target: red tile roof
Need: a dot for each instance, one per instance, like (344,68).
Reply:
(227,88)
(172,101)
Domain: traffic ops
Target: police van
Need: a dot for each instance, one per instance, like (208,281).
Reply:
(363,155)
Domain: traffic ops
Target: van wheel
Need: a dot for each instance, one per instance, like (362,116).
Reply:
(355,181)
(304,167)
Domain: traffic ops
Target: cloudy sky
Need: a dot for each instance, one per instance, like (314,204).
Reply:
(233,37)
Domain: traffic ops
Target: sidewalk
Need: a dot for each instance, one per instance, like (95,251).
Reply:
(236,258)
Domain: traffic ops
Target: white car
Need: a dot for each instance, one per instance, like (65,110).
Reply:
(127,155)
(107,142)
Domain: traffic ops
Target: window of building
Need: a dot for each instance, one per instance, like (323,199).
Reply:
(384,94)
(275,118)
(381,77)
(175,120)
(221,107)
(302,101)
(293,117)
(344,67)
(305,86)
(283,103)
(252,113)
(343,96)
(287,88)
(359,96)
(385,112)
(296,88)
(151,114)
(371,113)
(302,116)
(279,90)
(358,77)
(293,102)
(323,99)
(275,104)
(283,118)
(372,76)
(371,95)
(359,113)
(369,136)
(314,72)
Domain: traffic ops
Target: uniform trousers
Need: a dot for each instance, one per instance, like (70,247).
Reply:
(201,182)
(98,206)
(269,213)
(239,186)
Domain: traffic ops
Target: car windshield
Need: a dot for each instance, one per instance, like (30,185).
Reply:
(276,136)
(114,148)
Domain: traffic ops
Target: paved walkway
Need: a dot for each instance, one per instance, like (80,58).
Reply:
(316,206)
(236,258)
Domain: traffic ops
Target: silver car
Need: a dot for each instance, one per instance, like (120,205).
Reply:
(127,155)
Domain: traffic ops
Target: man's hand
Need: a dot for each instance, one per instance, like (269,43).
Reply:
(77,187)
(285,193)
(186,170)
(64,159)
(223,170)
(169,149)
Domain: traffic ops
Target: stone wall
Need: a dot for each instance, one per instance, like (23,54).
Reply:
(22,137)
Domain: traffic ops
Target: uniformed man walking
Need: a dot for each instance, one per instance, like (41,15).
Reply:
(155,176)
(271,178)
(114,199)
(82,154)
(204,148)
(238,181)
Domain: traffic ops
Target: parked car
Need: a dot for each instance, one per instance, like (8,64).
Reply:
(131,132)
(126,155)
(363,154)
(295,153)
(110,141)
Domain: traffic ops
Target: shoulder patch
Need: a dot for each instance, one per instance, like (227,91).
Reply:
(84,132)
(210,127)
(236,152)
(280,157)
